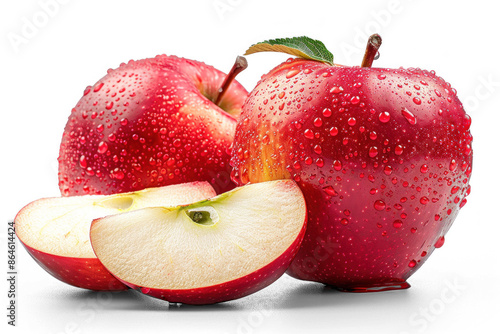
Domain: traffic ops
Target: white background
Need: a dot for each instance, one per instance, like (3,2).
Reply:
(42,78)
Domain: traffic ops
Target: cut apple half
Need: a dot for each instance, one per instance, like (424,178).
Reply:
(55,231)
(211,251)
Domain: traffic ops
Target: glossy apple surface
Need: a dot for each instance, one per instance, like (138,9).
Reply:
(383,157)
(150,123)
(212,251)
(55,231)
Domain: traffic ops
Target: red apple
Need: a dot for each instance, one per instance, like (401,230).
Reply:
(212,251)
(150,123)
(55,231)
(383,157)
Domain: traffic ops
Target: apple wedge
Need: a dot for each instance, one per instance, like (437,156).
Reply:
(55,231)
(211,251)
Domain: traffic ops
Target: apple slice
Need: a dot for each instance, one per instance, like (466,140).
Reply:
(55,231)
(211,251)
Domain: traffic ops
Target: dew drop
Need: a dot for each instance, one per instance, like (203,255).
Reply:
(398,150)
(83,161)
(373,152)
(330,191)
(379,205)
(440,242)
(417,101)
(336,90)
(453,164)
(337,165)
(384,117)
(327,112)
(412,264)
(397,223)
(344,221)
(292,73)
(409,116)
(424,200)
(102,147)
(98,87)
(334,131)
(309,134)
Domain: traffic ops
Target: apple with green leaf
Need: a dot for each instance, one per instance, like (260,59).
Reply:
(55,231)
(211,251)
(149,123)
(383,157)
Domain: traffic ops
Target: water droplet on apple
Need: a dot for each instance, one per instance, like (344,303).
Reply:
(424,169)
(334,131)
(87,90)
(355,100)
(292,73)
(336,90)
(351,121)
(318,122)
(453,164)
(102,147)
(117,174)
(373,152)
(98,87)
(412,264)
(344,221)
(384,117)
(337,165)
(417,101)
(397,223)
(83,161)
(327,112)
(440,242)
(309,134)
(409,116)
(330,191)
(424,200)
(462,203)
(398,150)
(379,205)
(109,105)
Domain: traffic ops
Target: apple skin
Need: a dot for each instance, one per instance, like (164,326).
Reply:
(231,290)
(381,188)
(150,123)
(87,273)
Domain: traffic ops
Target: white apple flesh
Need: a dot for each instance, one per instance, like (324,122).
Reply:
(212,251)
(55,231)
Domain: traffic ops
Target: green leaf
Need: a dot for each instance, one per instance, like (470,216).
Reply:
(303,47)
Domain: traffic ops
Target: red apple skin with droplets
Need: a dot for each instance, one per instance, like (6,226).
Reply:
(150,123)
(383,157)
(87,273)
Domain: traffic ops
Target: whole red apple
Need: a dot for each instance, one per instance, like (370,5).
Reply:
(383,157)
(150,123)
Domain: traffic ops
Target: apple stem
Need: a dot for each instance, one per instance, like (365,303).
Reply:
(374,42)
(239,65)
